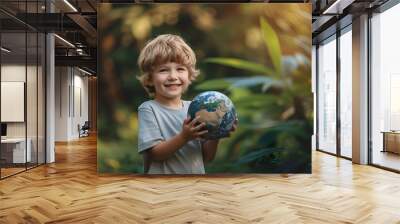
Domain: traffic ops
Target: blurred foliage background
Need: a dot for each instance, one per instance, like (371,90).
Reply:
(257,54)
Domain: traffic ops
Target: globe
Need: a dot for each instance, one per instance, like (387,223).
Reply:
(216,110)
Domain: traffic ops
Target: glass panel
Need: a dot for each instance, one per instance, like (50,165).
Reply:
(13,87)
(346,94)
(23,88)
(31,85)
(14,152)
(31,100)
(41,98)
(327,96)
(385,89)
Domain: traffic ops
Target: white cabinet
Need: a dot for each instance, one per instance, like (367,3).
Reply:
(17,146)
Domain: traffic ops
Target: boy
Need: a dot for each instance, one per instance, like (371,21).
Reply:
(169,140)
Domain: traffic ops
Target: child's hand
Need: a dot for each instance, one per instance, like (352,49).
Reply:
(191,130)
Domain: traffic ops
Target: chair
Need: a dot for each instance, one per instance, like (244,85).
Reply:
(84,130)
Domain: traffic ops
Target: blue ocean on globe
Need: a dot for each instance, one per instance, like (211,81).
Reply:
(216,110)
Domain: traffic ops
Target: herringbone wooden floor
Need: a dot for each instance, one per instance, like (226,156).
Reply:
(70,191)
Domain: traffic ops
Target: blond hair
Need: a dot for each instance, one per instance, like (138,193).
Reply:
(163,49)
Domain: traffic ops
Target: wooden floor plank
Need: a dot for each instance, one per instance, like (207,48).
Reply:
(71,191)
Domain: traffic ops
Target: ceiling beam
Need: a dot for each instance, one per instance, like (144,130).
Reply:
(337,7)
(84,24)
(82,61)
(320,23)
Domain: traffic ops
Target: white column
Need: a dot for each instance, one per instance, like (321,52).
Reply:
(360,90)
(50,100)
(50,93)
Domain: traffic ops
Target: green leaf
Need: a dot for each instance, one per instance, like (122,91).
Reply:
(297,128)
(237,82)
(213,85)
(253,81)
(257,101)
(255,155)
(242,64)
(272,43)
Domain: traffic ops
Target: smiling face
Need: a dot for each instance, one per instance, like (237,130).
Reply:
(170,80)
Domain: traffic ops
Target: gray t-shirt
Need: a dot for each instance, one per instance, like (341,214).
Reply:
(159,123)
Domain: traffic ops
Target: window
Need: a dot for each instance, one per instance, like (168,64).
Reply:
(346,93)
(385,88)
(327,96)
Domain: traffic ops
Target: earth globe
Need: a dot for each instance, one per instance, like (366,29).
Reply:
(216,110)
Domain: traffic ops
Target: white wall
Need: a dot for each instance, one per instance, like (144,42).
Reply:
(33,126)
(80,111)
(61,103)
(12,73)
(13,100)
(71,94)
